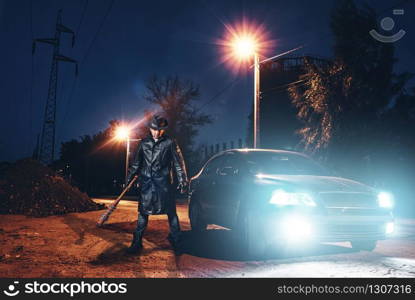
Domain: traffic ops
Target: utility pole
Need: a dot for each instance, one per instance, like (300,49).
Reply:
(257,99)
(47,145)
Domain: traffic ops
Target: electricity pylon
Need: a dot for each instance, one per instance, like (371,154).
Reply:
(47,145)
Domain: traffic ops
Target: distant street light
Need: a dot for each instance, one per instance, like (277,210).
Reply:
(122,133)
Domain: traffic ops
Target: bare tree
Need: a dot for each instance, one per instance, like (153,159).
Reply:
(175,98)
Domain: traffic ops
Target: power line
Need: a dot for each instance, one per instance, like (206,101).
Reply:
(98,31)
(82,18)
(285,86)
(77,34)
(76,77)
(84,59)
(217,95)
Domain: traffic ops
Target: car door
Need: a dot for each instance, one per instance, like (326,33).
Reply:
(228,188)
(207,190)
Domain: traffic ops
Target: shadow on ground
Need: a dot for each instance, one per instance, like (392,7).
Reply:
(219,244)
(111,233)
(112,255)
(224,245)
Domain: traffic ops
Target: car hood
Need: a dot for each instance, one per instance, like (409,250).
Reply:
(316,183)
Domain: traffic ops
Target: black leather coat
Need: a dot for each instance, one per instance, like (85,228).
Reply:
(154,163)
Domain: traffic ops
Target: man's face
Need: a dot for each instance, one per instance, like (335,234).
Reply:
(156,133)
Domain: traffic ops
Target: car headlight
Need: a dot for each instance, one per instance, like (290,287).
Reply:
(385,200)
(296,229)
(282,198)
(390,227)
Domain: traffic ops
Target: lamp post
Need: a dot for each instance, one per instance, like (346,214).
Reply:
(257,98)
(245,47)
(123,133)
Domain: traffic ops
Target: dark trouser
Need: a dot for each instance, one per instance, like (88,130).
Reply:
(173,223)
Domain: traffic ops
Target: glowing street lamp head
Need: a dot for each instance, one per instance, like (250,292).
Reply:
(241,41)
(244,46)
(122,133)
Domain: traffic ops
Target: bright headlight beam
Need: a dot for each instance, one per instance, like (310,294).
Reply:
(260,175)
(390,227)
(296,229)
(385,200)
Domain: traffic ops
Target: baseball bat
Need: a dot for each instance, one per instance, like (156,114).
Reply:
(104,217)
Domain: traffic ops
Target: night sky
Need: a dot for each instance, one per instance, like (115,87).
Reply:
(141,38)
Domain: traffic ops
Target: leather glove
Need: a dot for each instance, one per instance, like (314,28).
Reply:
(182,187)
(129,179)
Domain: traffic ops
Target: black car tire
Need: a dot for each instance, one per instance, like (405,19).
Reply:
(364,245)
(251,233)
(197,220)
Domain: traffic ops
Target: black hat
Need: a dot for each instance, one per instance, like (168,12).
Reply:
(158,123)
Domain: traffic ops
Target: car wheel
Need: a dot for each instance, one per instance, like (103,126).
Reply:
(364,245)
(251,233)
(197,220)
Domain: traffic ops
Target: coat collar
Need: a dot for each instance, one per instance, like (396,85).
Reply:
(163,137)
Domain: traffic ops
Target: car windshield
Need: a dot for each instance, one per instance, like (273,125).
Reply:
(284,164)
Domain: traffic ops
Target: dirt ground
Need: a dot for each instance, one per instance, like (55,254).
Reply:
(72,246)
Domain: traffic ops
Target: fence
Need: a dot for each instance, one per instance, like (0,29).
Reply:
(210,150)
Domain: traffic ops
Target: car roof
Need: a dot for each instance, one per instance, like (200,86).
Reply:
(251,150)
(247,150)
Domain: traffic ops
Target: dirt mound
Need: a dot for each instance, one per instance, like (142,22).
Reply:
(28,187)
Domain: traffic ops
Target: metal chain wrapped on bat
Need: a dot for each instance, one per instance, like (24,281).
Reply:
(114,204)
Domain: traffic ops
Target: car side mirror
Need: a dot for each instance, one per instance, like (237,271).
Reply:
(228,171)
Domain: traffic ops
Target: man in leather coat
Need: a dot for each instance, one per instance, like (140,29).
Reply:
(156,157)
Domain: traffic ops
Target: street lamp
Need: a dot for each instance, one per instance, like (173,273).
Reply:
(246,42)
(122,133)
(244,47)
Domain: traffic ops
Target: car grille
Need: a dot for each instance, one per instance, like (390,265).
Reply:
(350,204)
(339,211)
(348,200)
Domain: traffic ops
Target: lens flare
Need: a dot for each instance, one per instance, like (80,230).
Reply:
(241,41)
(244,46)
(390,228)
(385,200)
(122,133)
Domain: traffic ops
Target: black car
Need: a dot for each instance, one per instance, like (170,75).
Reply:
(275,196)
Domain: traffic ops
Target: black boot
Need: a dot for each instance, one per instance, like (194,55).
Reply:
(176,244)
(136,244)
